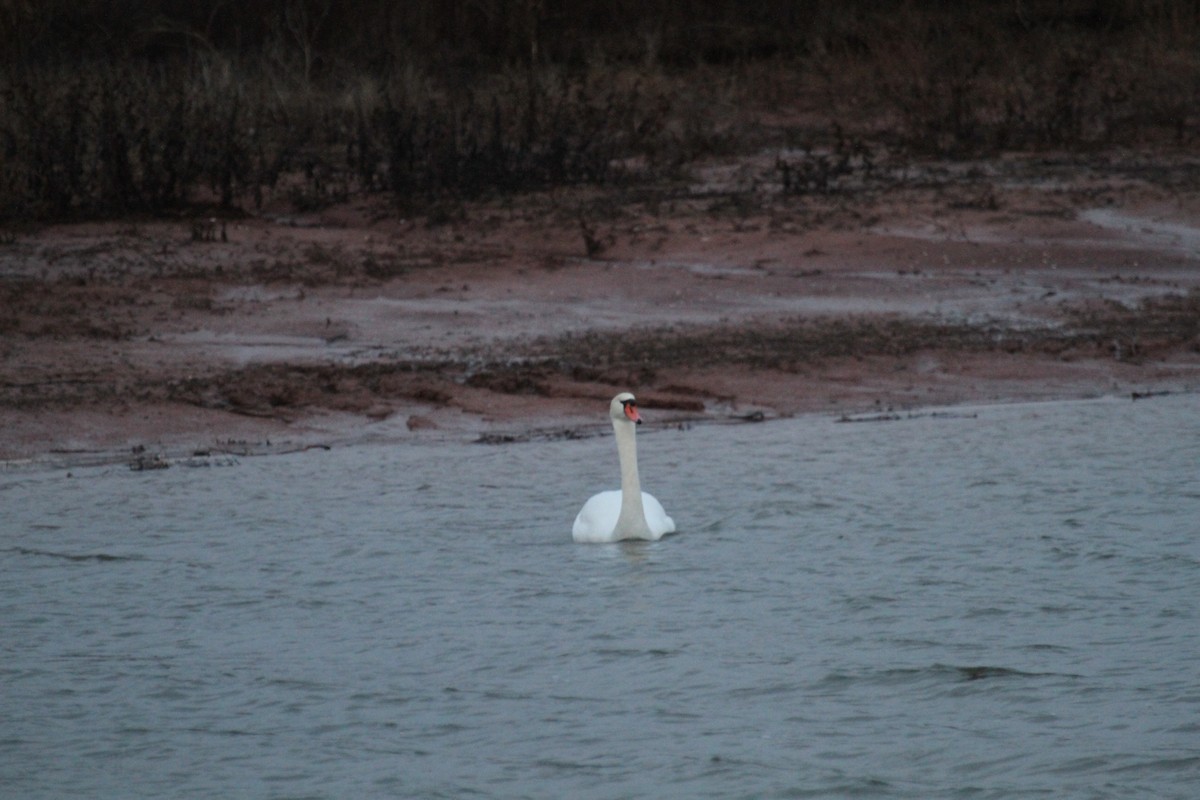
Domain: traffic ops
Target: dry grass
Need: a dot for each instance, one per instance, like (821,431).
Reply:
(233,107)
(109,140)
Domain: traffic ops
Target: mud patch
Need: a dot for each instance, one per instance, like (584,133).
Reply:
(742,300)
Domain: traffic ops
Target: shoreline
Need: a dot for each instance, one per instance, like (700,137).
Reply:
(143,457)
(351,324)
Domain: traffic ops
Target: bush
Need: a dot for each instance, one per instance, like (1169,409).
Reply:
(979,80)
(112,139)
(311,100)
(109,139)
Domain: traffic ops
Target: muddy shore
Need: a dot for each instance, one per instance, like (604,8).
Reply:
(723,297)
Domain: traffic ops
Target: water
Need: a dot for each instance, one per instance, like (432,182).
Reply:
(998,605)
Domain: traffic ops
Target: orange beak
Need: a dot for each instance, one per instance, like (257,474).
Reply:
(632,412)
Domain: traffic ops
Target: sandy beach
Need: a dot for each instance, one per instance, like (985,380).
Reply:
(720,298)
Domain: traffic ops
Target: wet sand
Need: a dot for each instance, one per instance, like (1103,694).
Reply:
(719,298)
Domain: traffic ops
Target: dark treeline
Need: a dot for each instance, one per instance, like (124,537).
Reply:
(374,33)
(487,34)
(148,105)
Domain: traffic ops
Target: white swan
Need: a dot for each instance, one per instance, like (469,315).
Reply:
(629,513)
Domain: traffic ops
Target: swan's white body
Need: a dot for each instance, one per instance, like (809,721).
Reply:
(627,513)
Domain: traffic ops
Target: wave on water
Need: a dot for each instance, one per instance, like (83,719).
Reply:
(946,673)
(98,557)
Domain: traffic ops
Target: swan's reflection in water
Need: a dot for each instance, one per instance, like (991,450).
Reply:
(629,552)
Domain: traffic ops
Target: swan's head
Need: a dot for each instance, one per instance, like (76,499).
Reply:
(624,408)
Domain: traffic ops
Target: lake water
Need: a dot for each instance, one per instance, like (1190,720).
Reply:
(993,603)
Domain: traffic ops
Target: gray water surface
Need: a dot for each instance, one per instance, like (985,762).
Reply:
(992,604)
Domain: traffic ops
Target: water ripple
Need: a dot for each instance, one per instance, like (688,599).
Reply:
(999,607)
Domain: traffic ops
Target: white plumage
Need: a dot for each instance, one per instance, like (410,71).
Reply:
(627,513)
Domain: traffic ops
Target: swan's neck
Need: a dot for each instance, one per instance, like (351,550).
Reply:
(632,520)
